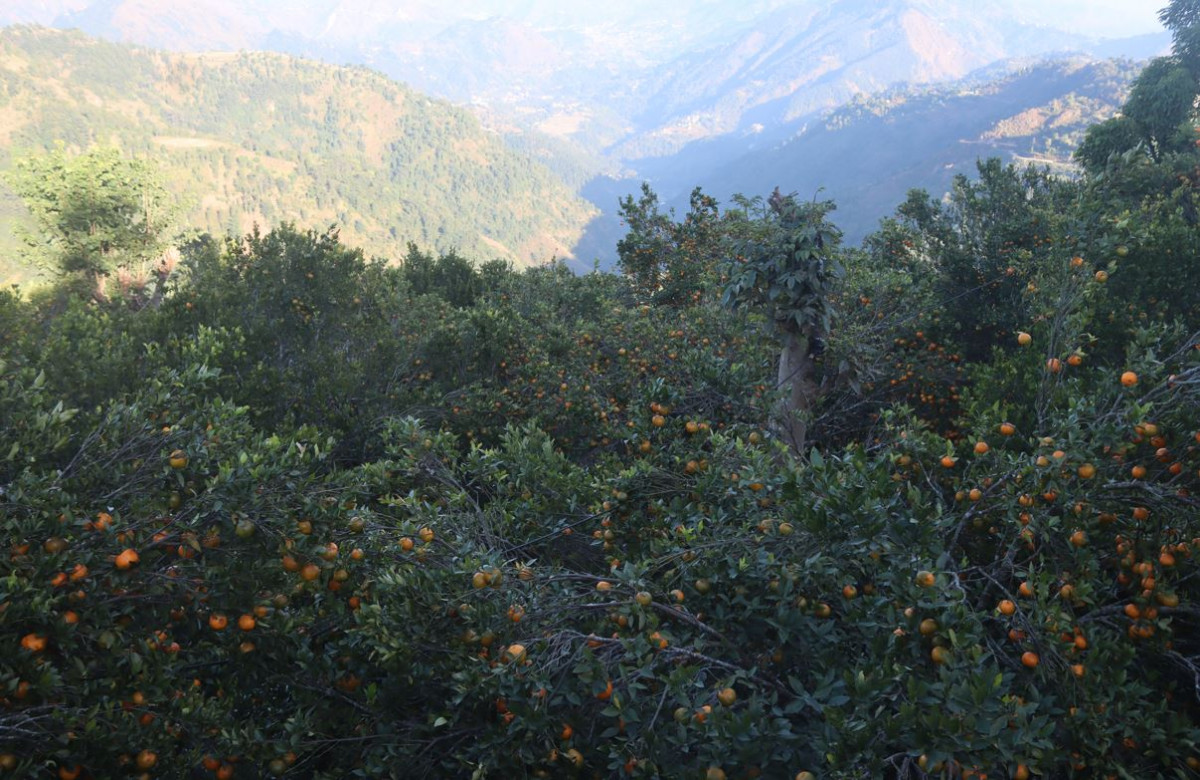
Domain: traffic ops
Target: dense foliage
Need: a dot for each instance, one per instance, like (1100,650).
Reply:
(314,516)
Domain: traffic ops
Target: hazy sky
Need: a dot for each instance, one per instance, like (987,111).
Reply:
(1106,18)
(1110,18)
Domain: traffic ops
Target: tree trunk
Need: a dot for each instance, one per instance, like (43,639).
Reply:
(796,380)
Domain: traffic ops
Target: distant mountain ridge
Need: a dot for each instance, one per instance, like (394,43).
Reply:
(636,78)
(263,138)
(867,154)
(811,58)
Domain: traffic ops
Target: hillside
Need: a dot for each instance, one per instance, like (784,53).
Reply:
(868,153)
(265,138)
(812,57)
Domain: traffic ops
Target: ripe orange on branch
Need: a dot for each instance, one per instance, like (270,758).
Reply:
(126,559)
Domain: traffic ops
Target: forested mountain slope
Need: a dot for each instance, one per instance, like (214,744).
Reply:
(266,138)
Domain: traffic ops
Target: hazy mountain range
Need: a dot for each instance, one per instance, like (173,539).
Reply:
(683,92)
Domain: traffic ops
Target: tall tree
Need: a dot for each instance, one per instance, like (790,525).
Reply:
(1182,18)
(670,262)
(785,265)
(95,212)
(1159,111)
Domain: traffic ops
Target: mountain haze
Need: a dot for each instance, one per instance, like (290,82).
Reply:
(633,78)
(811,57)
(869,153)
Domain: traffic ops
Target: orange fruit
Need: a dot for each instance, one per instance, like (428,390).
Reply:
(939,655)
(310,572)
(146,759)
(1024,339)
(1129,379)
(178,459)
(1030,659)
(1167,599)
(247,622)
(217,621)
(126,559)
(925,579)
(1007,607)
(34,643)
(1007,429)
(981,447)
(727,696)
